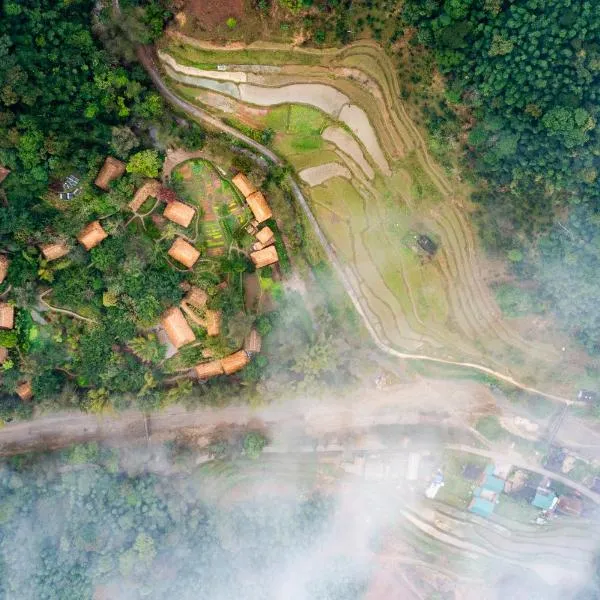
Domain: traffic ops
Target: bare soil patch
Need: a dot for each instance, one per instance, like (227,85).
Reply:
(210,14)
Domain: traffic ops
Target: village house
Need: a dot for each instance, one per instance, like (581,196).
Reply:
(234,362)
(151,188)
(243,184)
(177,328)
(265,237)
(111,169)
(91,235)
(54,251)
(4,262)
(179,213)
(571,506)
(259,207)
(486,495)
(184,253)
(545,499)
(3,355)
(24,391)
(7,316)
(252,343)
(266,256)
(209,369)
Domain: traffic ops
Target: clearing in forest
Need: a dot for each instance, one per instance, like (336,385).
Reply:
(399,224)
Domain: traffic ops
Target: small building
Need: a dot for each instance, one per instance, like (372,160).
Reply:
(4,173)
(571,506)
(427,244)
(7,316)
(184,253)
(4,262)
(545,499)
(259,207)
(481,506)
(111,169)
(265,236)
(24,391)
(252,342)
(179,213)
(234,362)
(91,235)
(212,322)
(587,396)
(485,496)
(196,297)
(177,328)
(3,355)
(151,188)
(209,369)
(243,184)
(437,483)
(54,251)
(264,257)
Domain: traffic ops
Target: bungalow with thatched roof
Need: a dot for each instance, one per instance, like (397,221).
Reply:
(265,236)
(24,391)
(209,369)
(243,184)
(4,173)
(54,251)
(111,169)
(212,322)
(3,355)
(264,257)
(179,213)
(253,342)
(91,235)
(4,262)
(150,188)
(234,362)
(259,207)
(184,253)
(177,328)
(196,297)
(7,315)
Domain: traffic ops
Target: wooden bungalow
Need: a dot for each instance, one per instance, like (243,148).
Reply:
(179,213)
(184,253)
(4,262)
(234,362)
(259,207)
(209,369)
(4,173)
(91,235)
(7,316)
(243,184)
(265,236)
(24,391)
(3,355)
(150,189)
(54,251)
(253,342)
(111,169)
(177,328)
(265,257)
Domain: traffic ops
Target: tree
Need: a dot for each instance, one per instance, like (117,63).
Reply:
(254,442)
(146,163)
(147,348)
(123,141)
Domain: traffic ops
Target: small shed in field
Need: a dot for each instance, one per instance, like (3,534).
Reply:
(54,251)
(184,253)
(4,262)
(111,169)
(243,184)
(259,206)
(179,213)
(234,362)
(177,328)
(209,369)
(266,256)
(24,391)
(7,316)
(91,235)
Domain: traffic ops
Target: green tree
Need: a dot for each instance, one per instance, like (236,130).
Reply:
(254,442)
(146,163)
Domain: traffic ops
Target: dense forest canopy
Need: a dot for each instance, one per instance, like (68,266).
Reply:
(530,71)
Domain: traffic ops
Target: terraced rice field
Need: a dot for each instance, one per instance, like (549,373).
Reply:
(374,189)
(201,185)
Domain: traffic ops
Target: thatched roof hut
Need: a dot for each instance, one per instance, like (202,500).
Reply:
(152,188)
(179,213)
(253,342)
(3,355)
(4,173)
(259,206)
(177,328)
(196,297)
(24,391)
(212,322)
(91,235)
(7,315)
(243,184)
(265,236)
(234,362)
(111,169)
(209,369)
(184,253)
(54,251)
(265,257)
(4,262)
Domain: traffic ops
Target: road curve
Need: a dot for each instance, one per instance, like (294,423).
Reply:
(146,57)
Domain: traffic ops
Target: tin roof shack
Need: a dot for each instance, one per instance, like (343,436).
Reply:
(545,499)
(486,495)
(427,244)
(571,506)
(587,396)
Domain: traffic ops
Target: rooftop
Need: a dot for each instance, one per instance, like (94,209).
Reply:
(179,213)
(111,169)
(91,235)
(177,328)
(259,206)
(184,253)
